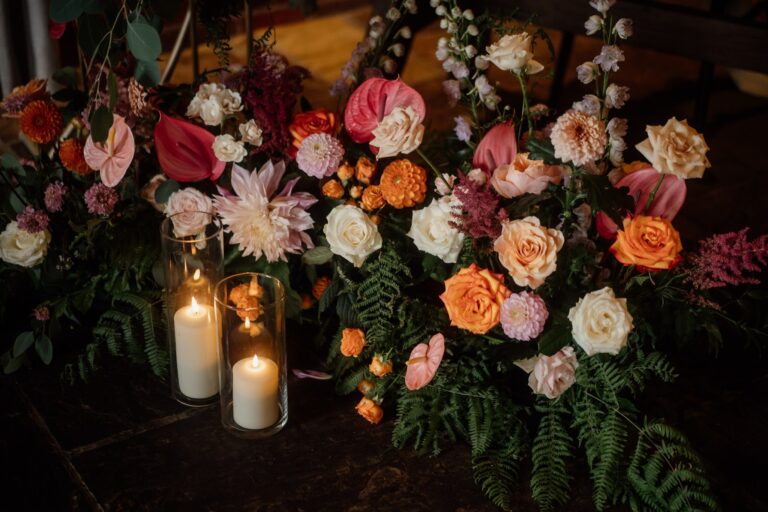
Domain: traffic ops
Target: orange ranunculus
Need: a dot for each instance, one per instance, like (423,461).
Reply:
(651,243)
(365,170)
(372,198)
(352,342)
(332,189)
(314,121)
(403,184)
(473,298)
(380,368)
(370,410)
(321,284)
(72,158)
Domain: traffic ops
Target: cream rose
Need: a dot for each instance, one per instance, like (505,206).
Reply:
(185,208)
(432,232)
(211,112)
(399,132)
(528,250)
(20,247)
(514,53)
(524,176)
(230,101)
(227,149)
(352,234)
(251,133)
(600,322)
(551,376)
(676,149)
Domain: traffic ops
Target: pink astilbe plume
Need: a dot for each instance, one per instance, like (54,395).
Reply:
(724,260)
(478,214)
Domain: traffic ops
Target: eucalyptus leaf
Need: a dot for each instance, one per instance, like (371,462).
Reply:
(101,122)
(147,73)
(11,163)
(63,11)
(44,348)
(143,41)
(165,190)
(23,342)
(13,364)
(317,256)
(16,203)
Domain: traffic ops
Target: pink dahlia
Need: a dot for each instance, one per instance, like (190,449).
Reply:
(54,196)
(100,199)
(261,220)
(32,220)
(523,316)
(319,155)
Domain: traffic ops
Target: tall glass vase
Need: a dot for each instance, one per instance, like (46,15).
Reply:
(250,308)
(193,256)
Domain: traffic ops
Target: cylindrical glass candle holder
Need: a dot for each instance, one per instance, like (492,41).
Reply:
(250,309)
(193,257)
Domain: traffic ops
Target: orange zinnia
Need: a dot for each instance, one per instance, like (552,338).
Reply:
(71,155)
(41,121)
(403,184)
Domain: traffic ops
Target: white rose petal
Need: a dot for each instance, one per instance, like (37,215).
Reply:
(399,132)
(432,232)
(227,149)
(230,101)
(601,322)
(351,234)
(22,248)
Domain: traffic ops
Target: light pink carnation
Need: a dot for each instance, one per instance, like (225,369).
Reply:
(523,316)
(100,199)
(553,375)
(319,155)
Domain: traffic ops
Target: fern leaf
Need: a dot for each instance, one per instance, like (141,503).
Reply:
(552,447)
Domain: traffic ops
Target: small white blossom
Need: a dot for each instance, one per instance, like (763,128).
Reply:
(410,6)
(617,128)
(405,33)
(602,6)
(590,105)
(468,15)
(393,14)
(470,51)
(441,54)
(623,28)
(389,66)
(434,3)
(481,63)
(593,24)
(398,50)
(616,96)
(227,149)
(616,151)
(440,10)
(251,133)
(448,64)
(443,23)
(609,58)
(452,28)
(587,72)
(460,70)
(473,30)
(455,12)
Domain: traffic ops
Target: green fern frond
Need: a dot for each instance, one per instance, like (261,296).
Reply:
(552,447)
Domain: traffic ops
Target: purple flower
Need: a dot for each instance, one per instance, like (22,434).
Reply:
(609,58)
(452,89)
(32,221)
(523,316)
(41,313)
(462,129)
(319,155)
(54,196)
(100,199)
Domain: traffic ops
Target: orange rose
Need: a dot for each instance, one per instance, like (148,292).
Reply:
(332,189)
(314,121)
(473,299)
(352,342)
(345,172)
(651,243)
(365,386)
(403,184)
(380,368)
(372,198)
(370,410)
(365,170)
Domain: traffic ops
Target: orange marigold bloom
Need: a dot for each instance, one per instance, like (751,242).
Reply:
(71,156)
(365,386)
(380,368)
(345,172)
(365,170)
(41,121)
(332,189)
(321,284)
(370,410)
(352,342)
(372,198)
(403,184)
(651,243)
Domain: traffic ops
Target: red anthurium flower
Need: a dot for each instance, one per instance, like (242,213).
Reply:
(667,201)
(497,148)
(185,150)
(424,362)
(375,99)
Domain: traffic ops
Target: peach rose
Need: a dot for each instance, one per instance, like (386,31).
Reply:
(675,148)
(352,342)
(380,368)
(365,170)
(524,176)
(651,243)
(369,410)
(332,189)
(373,199)
(473,299)
(528,250)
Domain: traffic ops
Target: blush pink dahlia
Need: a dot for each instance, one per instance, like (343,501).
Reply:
(100,199)
(261,220)
(32,220)
(523,316)
(54,196)
(579,138)
(319,155)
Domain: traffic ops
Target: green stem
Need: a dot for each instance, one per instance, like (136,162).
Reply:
(526,111)
(429,163)
(652,195)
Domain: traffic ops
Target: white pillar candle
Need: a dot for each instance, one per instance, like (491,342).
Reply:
(254,392)
(197,357)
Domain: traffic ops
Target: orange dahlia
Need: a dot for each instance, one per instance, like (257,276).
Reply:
(403,184)
(71,155)
(41,121)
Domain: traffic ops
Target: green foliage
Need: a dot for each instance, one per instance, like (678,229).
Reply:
(552,448)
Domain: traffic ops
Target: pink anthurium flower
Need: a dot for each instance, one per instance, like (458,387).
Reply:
(498,147)
(185,150)
(667,201)
(113,157)
(424,362)
(375,99)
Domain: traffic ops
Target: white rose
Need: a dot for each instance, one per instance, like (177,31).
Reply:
(227,149)
(675,148)
(433,233)
(513,53)
(186,207)
(230,101)
(600,322)
(352,234)
(193,109)
(21,247)
(205,91)
(211,112)
(399,132)
(251,133)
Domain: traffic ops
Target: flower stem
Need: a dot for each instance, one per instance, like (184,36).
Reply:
(429,163)
(526,111)
(652,195)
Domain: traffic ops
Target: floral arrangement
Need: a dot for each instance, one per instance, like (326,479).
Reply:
(500,285)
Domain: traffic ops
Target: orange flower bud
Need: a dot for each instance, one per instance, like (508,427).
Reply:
(370,410)
(372,198)
(380,368)
(319,287)
(345,172)
(365,170)
(332,189)
(355,192)
(352,342)
(365,386)
(376,219)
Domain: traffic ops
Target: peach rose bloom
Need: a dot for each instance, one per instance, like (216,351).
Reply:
(553,375)
(352,342)
(524,176)
(651,243)
(380,368)
(473,299)
(369,410)
(372,198)
(528,250)
(675,148)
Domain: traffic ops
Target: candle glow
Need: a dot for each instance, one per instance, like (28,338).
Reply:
(196,275)
(194,307)
(255,361)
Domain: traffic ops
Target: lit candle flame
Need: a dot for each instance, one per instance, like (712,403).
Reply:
(194,308)
(255,361)
(196,275)
(247,323)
